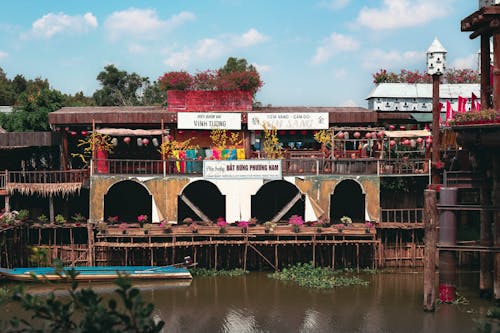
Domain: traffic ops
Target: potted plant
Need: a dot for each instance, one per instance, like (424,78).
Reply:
(23,215)
(340,227)
(368,226)
(102,227)
(222,224)
(112,219)
(143,218)
(166,227)
(319,226)
(243,225)
(42,219)
(296,222)
(146,227)
(123,227)
(60,220)
(269,227)
(79,219)
(346,220)
(187,220)
(193,227)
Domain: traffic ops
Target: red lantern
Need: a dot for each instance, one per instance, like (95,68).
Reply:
(380,134)
(402,128)
(66,129)
(303,132)
(406,142)
(145,141)
(257,132)
(180,131)
(293,132)
(58,129)
(73,133)
(392,143)
(126,139)
(282,132)
(368,135)
(84,133)
(356,135)
(340,135)
(392,127)
(420,140)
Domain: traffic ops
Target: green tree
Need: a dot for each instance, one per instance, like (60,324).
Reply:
(7,94)
(119,87)
(237,65)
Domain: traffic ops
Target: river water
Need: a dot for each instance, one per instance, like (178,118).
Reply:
(255,303)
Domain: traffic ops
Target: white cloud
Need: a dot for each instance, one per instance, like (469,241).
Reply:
(52,24)
(394,60)
(262,68)
(334,4)
(136,48)
(3,55)
(469,61)
(249,38)
(349,103)
(402,13)
(334,44)
(142,23)
(213,48)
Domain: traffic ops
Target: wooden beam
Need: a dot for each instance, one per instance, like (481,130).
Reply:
(263,256)
(287,207)
(194,208)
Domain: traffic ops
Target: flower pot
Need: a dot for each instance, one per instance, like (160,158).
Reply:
(146,232)
(124,232)
(267,231)
(167,231)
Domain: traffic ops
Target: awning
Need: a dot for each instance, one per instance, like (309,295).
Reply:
(425,117)
(128,131)
(407,134)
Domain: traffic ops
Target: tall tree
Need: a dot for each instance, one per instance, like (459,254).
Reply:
(237,65)
(119,87)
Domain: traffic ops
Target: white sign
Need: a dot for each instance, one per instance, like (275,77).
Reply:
(288,121)
(226,169)
(209,120)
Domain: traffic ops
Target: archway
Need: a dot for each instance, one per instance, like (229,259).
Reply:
(347,199)
(278,200)
(127,200)
(201,200)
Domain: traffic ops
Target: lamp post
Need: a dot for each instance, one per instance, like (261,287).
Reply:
(436,64)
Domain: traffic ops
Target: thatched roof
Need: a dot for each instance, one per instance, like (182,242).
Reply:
(44,189)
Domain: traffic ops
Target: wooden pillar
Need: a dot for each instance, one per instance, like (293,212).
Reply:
(276,257)
(245,257)
(485,258)
(64,150)
(215,256)
(51,209)
(496,71)
(7,203)
(496,221)
(430,222)
(333,257)
(485,72)
(435,128)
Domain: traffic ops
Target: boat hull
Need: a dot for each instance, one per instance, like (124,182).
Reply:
(106,273)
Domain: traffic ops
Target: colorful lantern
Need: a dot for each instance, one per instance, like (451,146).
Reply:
(368,135)
(392,143)
(413,143)
(402,128)
(380,134)
(420,140)
(406,142)
(356,135)
(145,141)
(346,135)
(73,133)
(340,135)
(84,133)
(155,142)
(126,139)
(282,132)
(303,132)
(114,142)
(139,142)
(392,127)
(293,132)
(428,140)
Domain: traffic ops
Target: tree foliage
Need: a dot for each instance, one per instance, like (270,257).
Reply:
(84,311)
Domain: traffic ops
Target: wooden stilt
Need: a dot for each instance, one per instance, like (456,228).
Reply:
(215,256)
(276,257)
(357,257)
(245,257)
(430,222)
(195,254)
(333,257)
(314,251)
(51,209)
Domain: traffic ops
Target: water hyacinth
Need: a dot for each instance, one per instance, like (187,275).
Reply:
(306,275)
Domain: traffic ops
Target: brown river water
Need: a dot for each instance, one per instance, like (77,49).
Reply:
(392,302)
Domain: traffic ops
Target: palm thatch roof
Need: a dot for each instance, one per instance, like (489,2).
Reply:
(44,189)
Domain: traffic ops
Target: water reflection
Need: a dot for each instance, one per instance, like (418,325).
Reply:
(256,303)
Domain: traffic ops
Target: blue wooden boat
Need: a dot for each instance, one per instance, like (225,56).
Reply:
(97,273)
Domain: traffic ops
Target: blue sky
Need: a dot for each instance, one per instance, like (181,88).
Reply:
(309,53)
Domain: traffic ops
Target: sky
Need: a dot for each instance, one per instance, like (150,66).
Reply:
(308,52)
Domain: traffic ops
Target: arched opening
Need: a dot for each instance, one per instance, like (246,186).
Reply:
(201,197)
(127,200)
(347,199)
(277,197)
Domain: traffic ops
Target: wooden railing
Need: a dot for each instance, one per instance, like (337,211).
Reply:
(290,166)
(47,177)
(3,178)
(402,215)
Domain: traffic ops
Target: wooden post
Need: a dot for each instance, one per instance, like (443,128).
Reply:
(314,251)
(485,72)
(430,222)
(245,257)
(357,257)
(496,220)
(485,258)
(435,128)
(333,257)
(276,257)
(51,209)
(215,256)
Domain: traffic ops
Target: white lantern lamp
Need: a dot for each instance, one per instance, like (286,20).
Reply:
(436,58)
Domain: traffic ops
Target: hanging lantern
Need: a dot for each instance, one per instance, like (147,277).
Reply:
(392,143)
(402,128)
(413,143)
(139,142)
(339,135)
(126,139)
(380,134)
(356,135)
(420,140)
(406,142)
(180,131)
(392,127)
(145,141)
(155,142)
(58,129)
(66,129)
(114,142)
(73,133)
(282,132)
(374,135)
(428,140)
(293,132)
(257,132)
(368,135)
(346,135)
(84,133)
(303,132)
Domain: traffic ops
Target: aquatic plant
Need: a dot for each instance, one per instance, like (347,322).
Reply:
(306,275)
(243,225)
(213,272)
(123,227)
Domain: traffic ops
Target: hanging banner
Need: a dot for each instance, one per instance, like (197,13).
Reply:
(209,120)
(289,121)
(249,169)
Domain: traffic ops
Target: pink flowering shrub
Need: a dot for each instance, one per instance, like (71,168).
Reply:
(142,218)
(243,224)
(296,220)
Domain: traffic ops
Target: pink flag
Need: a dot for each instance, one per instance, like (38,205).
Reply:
(449,112)
(473,102)
(462,101)
(478,106)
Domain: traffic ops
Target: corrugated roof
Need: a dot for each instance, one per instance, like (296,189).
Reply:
(424,90)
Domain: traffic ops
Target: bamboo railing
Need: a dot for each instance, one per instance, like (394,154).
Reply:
(405,215)
(46,177)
